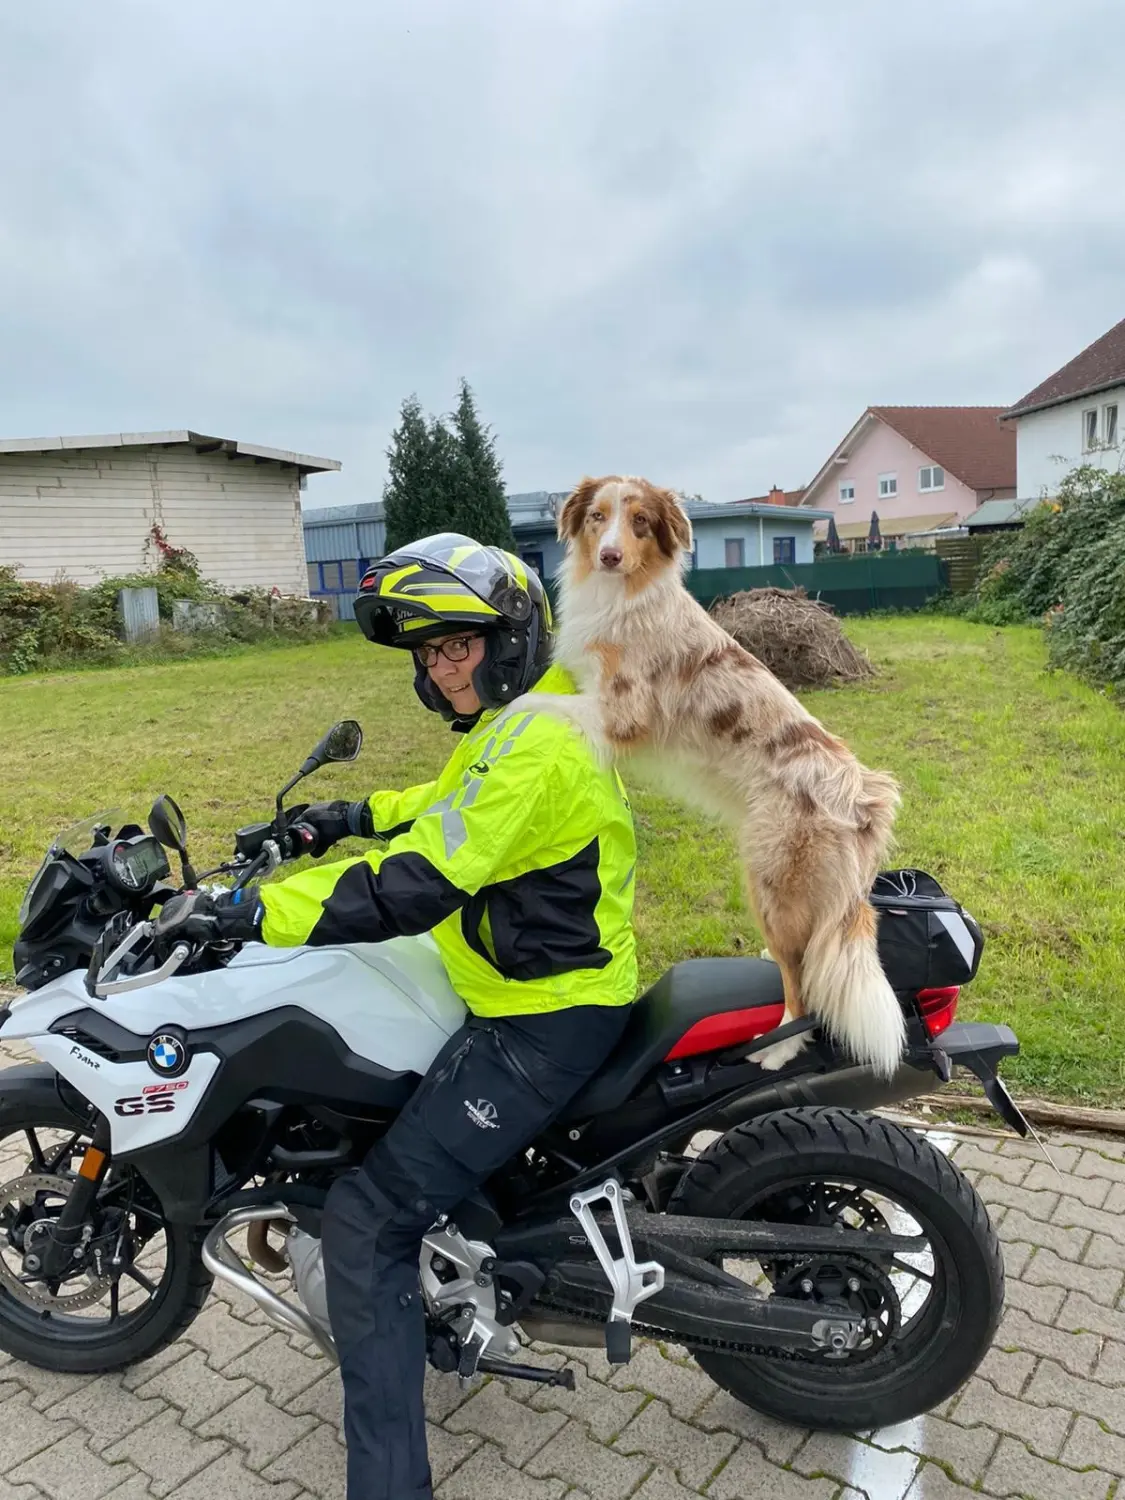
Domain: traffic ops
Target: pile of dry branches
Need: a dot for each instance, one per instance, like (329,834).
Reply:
(799,639)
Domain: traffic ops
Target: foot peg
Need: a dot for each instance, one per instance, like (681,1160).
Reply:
(630,1281)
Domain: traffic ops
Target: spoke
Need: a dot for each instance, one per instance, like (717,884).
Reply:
(913,1270)
(36,1150)
(141,1279)
(114,1295)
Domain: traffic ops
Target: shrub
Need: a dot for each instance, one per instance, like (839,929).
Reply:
(1066,568)
(59,624)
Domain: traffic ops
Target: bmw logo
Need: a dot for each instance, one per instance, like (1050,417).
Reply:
(167,1055)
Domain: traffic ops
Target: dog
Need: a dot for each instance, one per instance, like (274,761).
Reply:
(659,678)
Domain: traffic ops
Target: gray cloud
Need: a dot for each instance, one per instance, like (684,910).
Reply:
(684,237)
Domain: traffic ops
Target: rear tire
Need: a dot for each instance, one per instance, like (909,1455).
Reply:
(772,1157)
(71,1349)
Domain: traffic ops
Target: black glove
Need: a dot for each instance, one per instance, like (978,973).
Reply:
(331,822)
(194,916)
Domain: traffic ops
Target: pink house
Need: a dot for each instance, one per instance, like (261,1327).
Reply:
(917,467)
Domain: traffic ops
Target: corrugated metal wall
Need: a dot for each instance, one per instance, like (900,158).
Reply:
(335,549)
(330,543)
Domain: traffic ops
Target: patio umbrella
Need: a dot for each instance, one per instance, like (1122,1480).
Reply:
(874,536)
(833,539)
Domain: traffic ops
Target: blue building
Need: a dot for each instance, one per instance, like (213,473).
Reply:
(741,534)
(342,540)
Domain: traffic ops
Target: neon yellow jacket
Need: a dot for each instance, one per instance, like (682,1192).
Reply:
(519,858)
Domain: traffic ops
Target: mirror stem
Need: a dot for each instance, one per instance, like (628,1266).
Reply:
(279,820)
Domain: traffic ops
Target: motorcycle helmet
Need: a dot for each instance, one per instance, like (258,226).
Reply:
(431,587)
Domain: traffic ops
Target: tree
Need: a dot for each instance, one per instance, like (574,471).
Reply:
(445,478)
(414,494)
(480,505)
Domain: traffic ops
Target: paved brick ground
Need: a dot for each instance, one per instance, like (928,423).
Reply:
(238,1410)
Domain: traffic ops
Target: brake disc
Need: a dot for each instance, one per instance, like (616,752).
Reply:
(17,1194)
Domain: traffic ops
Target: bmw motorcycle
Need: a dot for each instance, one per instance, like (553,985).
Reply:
(194,1103)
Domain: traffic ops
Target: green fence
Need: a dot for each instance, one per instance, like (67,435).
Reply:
(852,585)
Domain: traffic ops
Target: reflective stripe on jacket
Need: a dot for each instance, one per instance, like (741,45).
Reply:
(519,858)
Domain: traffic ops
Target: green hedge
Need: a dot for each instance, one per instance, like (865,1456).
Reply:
(1066,568)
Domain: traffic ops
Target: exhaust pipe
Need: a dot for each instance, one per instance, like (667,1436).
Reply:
(221,1259)
(846,1088)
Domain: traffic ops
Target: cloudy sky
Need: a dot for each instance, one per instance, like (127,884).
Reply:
(687,238)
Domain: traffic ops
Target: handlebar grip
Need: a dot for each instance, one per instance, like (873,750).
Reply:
(298,839)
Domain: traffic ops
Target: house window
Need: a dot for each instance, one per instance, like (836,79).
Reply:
(314,577)
(785,549)
(847,491)
(888,486)
(351,575)
(1109,425)
(735,552)
(1089,430)
(931,478)
(330,576)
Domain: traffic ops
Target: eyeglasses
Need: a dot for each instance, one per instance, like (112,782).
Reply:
(457,648)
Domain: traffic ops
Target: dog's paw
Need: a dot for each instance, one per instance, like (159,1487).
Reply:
(781,1053)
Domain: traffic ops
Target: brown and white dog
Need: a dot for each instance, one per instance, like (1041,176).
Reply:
(659,677)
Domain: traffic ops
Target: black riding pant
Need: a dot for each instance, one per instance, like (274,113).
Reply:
(490,1091)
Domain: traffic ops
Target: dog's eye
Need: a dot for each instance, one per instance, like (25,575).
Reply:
(596,515)
(641,526)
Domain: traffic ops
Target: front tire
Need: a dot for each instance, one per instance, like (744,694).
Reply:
(775,1168)
(33,1121)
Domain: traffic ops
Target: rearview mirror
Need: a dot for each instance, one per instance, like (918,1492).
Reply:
(342,742)
(167,823)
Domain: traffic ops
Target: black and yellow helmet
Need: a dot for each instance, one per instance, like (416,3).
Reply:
(442,583)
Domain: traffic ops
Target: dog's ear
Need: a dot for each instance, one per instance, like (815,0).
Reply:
(578,502)
(671,526)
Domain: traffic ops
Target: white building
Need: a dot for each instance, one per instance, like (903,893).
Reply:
(1076,416)
(86,507)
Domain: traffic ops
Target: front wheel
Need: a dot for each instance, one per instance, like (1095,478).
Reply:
(137,1281)
(931,1316)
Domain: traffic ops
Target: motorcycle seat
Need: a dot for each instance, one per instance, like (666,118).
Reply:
(685,995)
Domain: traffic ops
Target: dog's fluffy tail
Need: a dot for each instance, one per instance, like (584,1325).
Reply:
(843,985)
(842,979)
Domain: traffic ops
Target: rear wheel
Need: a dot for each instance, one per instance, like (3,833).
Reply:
(137,1281)
(931,1316)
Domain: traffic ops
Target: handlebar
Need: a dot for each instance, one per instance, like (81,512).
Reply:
(294,842)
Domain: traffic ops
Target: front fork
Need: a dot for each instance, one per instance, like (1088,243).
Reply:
(64,1245)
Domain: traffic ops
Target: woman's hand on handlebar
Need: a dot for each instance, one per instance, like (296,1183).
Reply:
(196,917)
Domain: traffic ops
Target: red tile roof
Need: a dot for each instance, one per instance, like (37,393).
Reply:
(1099,365)
(968,441)
(775,497)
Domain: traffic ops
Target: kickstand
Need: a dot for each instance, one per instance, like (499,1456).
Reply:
(1042,1144)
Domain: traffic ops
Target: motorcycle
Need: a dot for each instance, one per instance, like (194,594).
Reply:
(194,1104)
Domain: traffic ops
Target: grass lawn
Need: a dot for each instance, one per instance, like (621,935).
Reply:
(1013,779)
